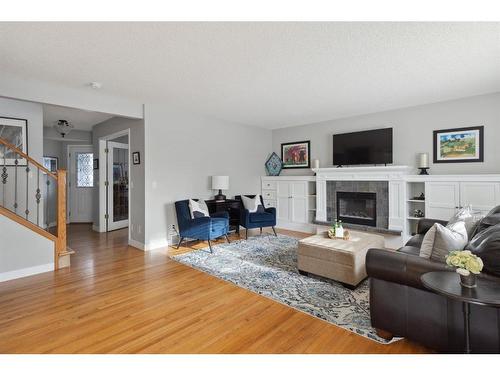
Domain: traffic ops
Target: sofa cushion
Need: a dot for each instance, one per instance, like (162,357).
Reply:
(440,240)
(260,217)
(219,224)
(416,241)
(410,250)
(486,245)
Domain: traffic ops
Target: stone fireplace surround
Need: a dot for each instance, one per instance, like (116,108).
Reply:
(380,188)
(372,177)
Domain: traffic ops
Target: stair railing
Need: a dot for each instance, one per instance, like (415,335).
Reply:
(33,196)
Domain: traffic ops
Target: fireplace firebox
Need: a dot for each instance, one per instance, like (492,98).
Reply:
(357,208)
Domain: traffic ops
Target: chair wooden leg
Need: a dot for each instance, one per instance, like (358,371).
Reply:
(274,230)
(210,247)
(246,234)
(227,239)
(180,241)
(261,231)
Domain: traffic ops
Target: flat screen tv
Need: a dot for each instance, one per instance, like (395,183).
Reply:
(367,147)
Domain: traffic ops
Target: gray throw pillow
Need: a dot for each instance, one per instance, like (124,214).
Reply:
(440,240)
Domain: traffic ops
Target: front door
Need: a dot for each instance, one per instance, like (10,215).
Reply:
(80,184)
(118,177)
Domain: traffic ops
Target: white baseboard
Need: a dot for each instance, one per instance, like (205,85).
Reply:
(23,272)
(299,227)
(96,228)
(157,245)
(137,244)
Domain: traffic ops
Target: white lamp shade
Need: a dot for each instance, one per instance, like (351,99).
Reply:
(423,160)
(220,182)
(315,164)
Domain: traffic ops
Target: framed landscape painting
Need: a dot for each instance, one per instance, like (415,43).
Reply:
(14,131)
(296,154)
(460,145)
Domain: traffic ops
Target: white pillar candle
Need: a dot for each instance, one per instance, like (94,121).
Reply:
(315,164)
(423,160)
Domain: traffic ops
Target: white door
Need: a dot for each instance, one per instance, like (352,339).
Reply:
(117,185)
(298,202)
(283,193)
(80,184)
(482,196)
(442,199)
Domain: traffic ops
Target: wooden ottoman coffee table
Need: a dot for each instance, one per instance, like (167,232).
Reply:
(337,259)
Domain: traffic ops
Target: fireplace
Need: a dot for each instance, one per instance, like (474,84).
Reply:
(357,208)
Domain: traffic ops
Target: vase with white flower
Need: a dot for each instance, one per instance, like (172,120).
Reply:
(467,266)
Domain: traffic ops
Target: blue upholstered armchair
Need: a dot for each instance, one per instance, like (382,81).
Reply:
(256,219)
(200,228)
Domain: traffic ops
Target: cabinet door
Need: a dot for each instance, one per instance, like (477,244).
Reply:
(482,196)
(299,209)
(283,193)
(442,199)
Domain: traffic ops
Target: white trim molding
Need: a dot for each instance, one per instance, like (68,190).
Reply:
(23,272)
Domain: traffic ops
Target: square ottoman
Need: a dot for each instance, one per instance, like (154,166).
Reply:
(337,259)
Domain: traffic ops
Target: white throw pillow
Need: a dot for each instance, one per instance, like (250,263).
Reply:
(469,217)
(198,209)
(440,240)
(252,204)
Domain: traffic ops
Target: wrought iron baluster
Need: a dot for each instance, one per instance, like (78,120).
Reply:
(27,211)
(38,196)
(16,164)
(5,175)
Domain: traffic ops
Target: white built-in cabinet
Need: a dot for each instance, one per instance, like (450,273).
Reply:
(444,199)
(294,199)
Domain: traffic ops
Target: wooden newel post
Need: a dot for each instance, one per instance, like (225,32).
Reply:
(61,214)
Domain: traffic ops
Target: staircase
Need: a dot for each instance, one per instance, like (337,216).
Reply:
(35,198)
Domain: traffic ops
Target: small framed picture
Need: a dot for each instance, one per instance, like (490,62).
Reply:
(296,154)
(51,163)
(460,145)
(15,132)
(136,157)
(96,164)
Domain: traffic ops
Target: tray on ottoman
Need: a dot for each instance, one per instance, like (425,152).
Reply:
(337,259)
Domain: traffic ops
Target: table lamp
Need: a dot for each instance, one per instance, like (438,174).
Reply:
(423,163)
(220,183)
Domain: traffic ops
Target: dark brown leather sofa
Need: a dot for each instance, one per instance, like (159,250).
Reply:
(401,306)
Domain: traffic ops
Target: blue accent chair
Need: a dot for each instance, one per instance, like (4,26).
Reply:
(266,218)
(200,228)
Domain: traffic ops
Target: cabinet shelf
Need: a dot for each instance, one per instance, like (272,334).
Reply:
(416,201)
(414,218)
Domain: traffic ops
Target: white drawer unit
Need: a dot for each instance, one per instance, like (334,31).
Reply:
(291,197)
(269,203)
(269,185)
(269,194)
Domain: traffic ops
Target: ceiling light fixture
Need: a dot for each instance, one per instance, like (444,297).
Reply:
(96,85)
(63,127)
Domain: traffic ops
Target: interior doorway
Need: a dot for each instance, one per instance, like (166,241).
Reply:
(118,185)
(80,184)
(114,196)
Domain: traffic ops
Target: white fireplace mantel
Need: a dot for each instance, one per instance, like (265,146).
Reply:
(382,173)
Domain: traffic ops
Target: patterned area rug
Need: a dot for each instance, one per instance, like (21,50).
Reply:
(267,265)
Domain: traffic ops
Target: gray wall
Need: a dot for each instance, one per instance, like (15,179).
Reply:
(33,112)
(182,152)
(413,129)
(136,209)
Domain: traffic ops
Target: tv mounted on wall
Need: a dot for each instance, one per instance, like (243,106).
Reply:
(366,147)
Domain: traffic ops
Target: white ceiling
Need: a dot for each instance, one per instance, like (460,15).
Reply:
(82,120)
(264,74)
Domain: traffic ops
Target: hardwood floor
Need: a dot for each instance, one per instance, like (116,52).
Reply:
(117,299)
